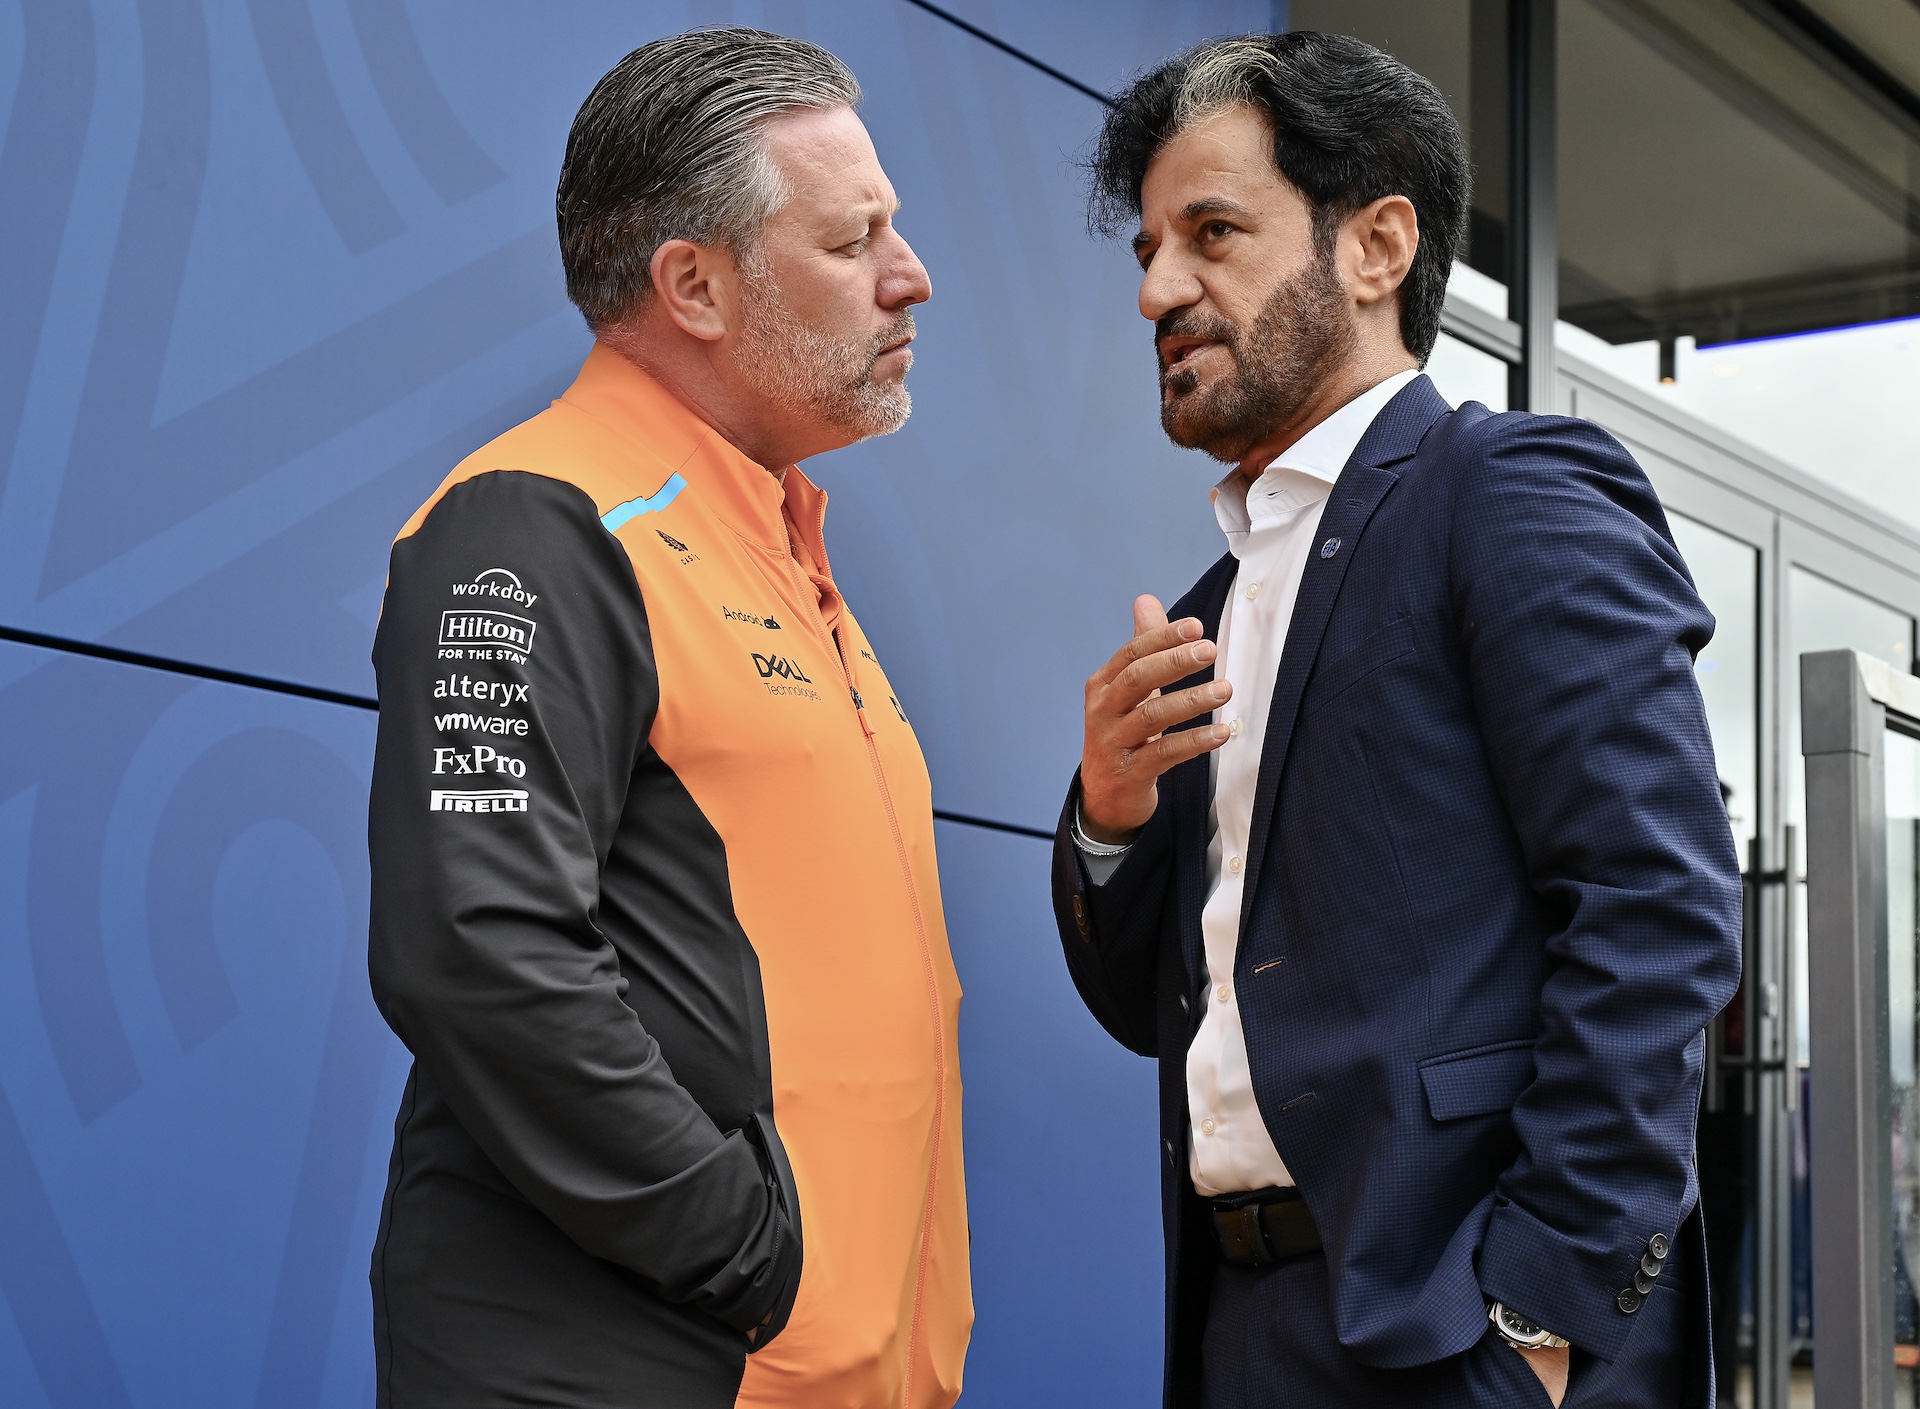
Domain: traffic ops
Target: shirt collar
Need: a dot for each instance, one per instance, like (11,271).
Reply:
(1303,473)
(776,513)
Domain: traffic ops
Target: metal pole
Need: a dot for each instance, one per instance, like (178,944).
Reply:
(1767,1077)
(1842,732)
(1533,246)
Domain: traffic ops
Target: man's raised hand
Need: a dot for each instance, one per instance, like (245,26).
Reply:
(1127,747)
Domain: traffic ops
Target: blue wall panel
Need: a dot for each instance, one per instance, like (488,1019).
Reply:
(1104,44)
(271,268)
(267,270)
(195,1089)
(1063,1179)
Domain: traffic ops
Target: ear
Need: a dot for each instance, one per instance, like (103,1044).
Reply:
(696,287)
(1377,248)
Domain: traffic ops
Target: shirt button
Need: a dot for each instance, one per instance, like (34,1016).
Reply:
(1233,728)
(1206,1126)
(1223,993)
(1235,865)
(1253,590)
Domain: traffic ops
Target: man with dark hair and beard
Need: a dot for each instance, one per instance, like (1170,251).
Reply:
(655,905)
(1400,846)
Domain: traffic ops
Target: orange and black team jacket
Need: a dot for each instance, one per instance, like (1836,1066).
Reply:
(655,909)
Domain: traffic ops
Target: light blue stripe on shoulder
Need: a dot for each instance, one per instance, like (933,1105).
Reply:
(634,508)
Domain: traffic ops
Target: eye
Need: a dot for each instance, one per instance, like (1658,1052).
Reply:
(1216,230)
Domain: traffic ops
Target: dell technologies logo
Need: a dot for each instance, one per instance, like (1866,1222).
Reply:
(771,667)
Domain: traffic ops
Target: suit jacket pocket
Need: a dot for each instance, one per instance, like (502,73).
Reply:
(1478,1081)
(1383,646)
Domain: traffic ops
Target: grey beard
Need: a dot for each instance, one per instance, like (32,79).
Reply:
(801,368)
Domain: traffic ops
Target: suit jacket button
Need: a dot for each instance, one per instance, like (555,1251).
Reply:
(1659,1246)
(1650,1264)
(1629,1301)
(1642,1283)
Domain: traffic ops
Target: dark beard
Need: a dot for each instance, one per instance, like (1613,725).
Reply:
(1297,340)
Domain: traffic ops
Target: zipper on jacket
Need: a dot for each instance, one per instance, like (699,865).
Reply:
(811,595)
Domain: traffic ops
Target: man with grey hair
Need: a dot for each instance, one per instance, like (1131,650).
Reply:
(655,905)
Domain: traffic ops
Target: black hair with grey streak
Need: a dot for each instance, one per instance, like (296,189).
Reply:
(669,146)
(1350,125)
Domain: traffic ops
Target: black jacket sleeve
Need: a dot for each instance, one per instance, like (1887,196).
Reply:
(517,688)
(1111,934)
(1579,625)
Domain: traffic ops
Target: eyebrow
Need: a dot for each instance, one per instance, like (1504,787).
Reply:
(1196,210)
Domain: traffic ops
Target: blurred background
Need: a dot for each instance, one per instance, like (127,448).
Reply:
(268,268)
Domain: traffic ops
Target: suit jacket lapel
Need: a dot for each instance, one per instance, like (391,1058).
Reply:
(1394,436)
(1189,786)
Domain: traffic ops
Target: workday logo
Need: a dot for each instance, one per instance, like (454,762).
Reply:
(499,584)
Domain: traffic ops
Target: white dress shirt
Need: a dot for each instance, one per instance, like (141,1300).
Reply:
(1271,531)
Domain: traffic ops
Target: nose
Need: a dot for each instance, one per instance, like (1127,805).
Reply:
(906,281)
(1164,287)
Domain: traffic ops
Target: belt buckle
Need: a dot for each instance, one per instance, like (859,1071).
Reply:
(1244,1236)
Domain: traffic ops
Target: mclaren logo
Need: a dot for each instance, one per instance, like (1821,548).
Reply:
(672,542)
(779,667)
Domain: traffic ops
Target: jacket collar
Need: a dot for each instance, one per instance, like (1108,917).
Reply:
(1402,424)
(644,415)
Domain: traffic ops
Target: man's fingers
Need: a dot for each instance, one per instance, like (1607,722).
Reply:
(1159,713)
(1170,749)
(1157,671)
(1148,615)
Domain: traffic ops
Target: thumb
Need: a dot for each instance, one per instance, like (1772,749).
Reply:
(1148,614)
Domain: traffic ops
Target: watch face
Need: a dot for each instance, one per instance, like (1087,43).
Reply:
(1518,1326)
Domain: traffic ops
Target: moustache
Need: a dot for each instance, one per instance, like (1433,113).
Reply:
(1186,323)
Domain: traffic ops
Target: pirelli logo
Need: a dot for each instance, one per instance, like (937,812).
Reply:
(477,800)
(468,626)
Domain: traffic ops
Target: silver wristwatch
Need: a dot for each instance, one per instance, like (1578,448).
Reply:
(1521,1333)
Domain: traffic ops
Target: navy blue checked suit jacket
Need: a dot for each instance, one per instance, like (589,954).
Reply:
(1491,897)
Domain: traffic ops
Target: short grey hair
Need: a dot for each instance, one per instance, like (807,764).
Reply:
(670,146)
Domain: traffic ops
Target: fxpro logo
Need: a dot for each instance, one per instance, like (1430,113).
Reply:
(477,800)
(748,618)
(779,666)
(496,582)
(468,626)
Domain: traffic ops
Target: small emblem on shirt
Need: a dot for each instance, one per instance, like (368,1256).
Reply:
(771,666)
(477,800)
(748,618)
(784,676)
(481,758)
(493,692)
(468,632)
(687,555)
(496,582)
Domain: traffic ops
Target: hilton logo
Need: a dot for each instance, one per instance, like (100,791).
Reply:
(470,627)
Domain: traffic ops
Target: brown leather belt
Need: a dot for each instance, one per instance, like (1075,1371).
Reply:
(1259,1234)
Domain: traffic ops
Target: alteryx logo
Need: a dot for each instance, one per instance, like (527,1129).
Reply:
(468,627)
(772,667)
